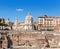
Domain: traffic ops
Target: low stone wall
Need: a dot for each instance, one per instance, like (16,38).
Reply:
(26,47)
(30,48)
(33,48)
(51,48)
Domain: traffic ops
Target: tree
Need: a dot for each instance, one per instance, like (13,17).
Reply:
(0,19)
(3,24)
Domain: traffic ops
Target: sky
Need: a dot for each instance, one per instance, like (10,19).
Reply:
(19,8)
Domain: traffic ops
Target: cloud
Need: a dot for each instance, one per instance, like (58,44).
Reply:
(19,9)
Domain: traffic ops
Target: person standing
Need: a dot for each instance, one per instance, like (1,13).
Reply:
(9,42)
(1,42)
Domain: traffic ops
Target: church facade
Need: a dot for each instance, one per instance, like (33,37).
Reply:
(29,22)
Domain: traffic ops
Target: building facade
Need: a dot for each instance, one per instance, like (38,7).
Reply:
(57,26)
(46,23)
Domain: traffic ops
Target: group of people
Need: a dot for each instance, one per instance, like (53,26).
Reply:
(9,42)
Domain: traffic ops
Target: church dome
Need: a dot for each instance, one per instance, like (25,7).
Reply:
(29,17)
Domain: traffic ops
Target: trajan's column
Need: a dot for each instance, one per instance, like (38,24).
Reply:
(16,25)
(29,22)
